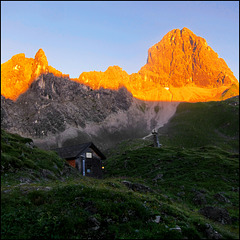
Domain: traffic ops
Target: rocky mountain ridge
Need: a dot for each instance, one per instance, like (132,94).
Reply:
(181,67)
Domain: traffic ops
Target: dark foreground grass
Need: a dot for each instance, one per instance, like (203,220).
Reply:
(77,207)
(88,208)
(193,178)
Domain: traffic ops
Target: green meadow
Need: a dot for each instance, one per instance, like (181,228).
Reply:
(146,192)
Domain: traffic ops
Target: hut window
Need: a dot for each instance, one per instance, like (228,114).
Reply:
(88,155)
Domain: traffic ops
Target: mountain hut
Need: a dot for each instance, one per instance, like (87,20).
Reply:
(86,157)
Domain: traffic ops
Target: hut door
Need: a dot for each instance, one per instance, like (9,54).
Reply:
(83,164)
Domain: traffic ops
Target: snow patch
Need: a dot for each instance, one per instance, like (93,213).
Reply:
(17,67)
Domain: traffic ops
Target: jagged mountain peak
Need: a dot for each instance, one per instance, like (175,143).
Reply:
(18,73)
(182,58)
(41,57)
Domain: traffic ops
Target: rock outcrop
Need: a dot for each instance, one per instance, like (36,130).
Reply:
(220,215)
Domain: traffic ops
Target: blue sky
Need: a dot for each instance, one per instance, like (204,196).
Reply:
(79,36)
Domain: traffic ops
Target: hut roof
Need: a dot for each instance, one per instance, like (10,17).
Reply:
(76,150)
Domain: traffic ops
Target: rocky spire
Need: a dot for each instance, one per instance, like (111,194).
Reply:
(41,58)
(40,64)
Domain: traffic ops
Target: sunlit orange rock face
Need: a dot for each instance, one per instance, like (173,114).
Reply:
(19,72)
(181,58)
(181,67)
(114,78)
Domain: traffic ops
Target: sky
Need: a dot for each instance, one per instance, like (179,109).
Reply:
(79,36)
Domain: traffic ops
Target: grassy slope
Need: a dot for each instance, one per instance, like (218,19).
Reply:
(201,124)
(181,173)
(22,161)
(58,203)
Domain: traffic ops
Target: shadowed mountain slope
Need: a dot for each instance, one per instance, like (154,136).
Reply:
(56,111)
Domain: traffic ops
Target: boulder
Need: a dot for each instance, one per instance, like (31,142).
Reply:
(211,233)
(199,198)
(216,214)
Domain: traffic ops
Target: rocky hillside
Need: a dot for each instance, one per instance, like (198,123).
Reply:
(56,111)
(181,67)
